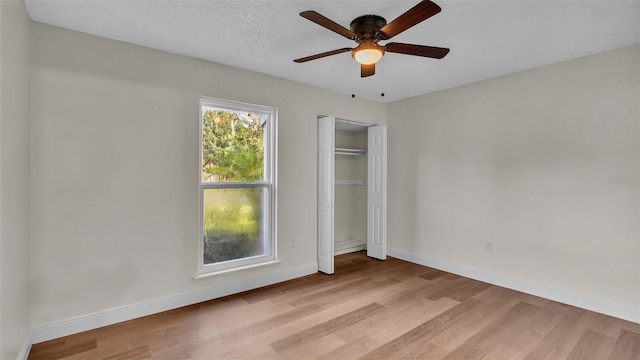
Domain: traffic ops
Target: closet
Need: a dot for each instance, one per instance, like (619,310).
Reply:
(352,162)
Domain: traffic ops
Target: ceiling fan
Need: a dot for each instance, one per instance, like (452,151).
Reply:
(368,30)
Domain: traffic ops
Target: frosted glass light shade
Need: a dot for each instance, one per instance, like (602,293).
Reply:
(367,54)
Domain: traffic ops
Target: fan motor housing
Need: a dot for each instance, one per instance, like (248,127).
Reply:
(367,25)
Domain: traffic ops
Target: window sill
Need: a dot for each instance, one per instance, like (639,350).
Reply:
(240,268)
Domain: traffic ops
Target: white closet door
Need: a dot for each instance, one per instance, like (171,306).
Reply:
(377,192)
(326,133)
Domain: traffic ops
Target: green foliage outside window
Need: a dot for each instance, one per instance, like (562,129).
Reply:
(232,146)
(232,151)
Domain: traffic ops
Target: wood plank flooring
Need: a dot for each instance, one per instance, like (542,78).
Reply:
(369,309)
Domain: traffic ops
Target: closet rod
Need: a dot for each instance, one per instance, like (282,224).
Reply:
(353,152)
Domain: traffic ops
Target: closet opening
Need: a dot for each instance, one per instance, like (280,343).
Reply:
(351,189)
(350,232)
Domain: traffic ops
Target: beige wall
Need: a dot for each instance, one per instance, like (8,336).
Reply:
(14,177)
(543,163)
(115,169)
(532,161)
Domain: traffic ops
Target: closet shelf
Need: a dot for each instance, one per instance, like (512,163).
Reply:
(352,152)
(350,182)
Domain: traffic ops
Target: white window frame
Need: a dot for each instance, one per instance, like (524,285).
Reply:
(268,183)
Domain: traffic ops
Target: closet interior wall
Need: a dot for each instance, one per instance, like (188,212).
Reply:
(350,232)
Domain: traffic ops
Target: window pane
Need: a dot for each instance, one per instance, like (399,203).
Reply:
(234,223)
(232,145)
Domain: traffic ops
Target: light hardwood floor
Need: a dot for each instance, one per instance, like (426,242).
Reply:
(369,309)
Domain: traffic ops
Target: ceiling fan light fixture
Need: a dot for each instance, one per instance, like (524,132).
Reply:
(368,30)
(367,53)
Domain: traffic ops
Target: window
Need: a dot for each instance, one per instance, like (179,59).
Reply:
(237,187)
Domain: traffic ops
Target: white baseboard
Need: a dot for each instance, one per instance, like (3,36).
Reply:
(111,316)
(349,250)
(26,347)
(567,297)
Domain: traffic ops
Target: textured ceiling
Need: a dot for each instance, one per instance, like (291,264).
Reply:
(487,38)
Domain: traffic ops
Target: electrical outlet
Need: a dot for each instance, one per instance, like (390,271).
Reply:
(294,243)
(488,246)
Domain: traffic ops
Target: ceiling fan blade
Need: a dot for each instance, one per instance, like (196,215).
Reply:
(417,50)
(327,23)
(321,55)
(424,10)
(367,70)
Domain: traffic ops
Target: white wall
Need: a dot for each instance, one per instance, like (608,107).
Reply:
(14,177)
(544,163)
(115,169)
